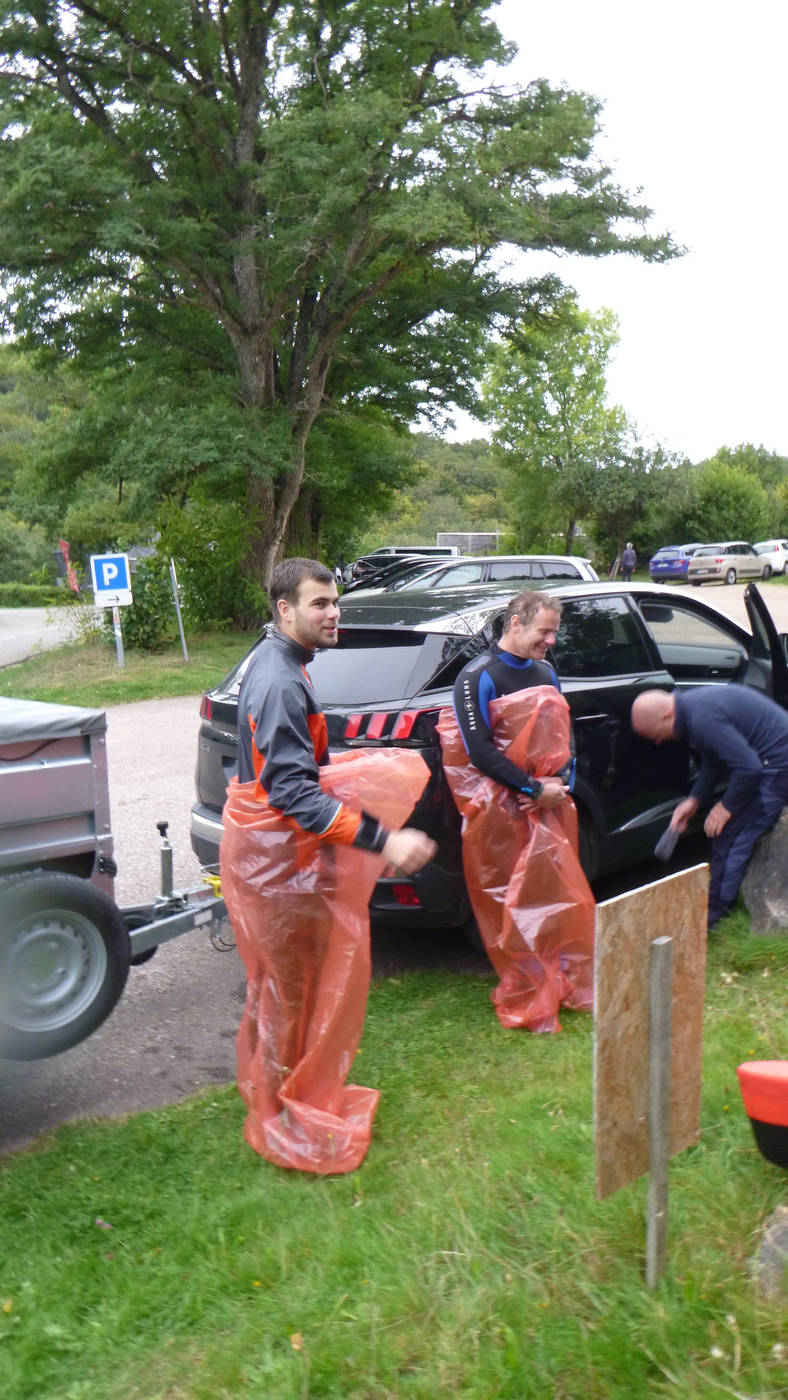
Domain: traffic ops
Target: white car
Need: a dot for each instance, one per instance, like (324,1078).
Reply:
(773,552)
(527,570)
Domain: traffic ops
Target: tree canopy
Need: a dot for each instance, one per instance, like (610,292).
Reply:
(297,206)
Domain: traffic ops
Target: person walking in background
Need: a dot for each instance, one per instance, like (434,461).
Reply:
(629,561)
(742,738)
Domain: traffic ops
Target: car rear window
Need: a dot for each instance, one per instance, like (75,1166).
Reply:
(366,666)
(557,569)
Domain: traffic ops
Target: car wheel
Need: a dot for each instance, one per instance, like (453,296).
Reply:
(730,577)
(696,582)
(767,571)
(64,961)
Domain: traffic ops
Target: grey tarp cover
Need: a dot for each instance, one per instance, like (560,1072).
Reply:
(21,720)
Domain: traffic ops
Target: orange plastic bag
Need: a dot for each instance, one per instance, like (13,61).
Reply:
(299,911)
(531,900)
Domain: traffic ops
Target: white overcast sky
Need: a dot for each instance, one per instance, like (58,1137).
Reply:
(695,115)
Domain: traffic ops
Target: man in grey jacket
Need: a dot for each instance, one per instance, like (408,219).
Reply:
(282,735)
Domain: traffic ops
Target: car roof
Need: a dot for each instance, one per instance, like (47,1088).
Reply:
(469,609)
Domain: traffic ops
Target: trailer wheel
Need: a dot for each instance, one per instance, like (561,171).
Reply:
(64,960)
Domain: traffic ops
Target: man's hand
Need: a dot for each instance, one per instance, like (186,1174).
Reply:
(554,790)
(408,849)
(683,812)
(718,817)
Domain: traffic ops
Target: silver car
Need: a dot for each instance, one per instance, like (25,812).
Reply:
(525,570)
(726,562)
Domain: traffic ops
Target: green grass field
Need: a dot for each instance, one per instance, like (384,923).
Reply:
(159,1259)
(90,675)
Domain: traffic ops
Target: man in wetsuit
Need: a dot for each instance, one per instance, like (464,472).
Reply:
(531,622)
(742,738)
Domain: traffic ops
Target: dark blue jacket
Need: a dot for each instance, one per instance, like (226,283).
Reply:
(740,734)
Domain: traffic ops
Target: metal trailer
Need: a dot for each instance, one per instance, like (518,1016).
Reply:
(65,946)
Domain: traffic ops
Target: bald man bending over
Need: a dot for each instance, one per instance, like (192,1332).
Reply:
(742,739)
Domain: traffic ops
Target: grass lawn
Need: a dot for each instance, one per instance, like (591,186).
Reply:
(90,675)
(159,1259)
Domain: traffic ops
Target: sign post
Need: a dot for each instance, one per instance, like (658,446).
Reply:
(112,589)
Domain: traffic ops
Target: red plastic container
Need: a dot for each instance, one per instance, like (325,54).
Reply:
(764,1089)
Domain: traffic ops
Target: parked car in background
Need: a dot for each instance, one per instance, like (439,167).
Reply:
(726,563)
(525,570)
(671,562)
(774,553)
(367,564)
(387,574)
(393,670)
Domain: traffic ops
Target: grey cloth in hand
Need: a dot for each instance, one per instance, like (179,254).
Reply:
(666,844)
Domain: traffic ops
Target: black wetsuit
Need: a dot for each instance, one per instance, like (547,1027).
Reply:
(484,679)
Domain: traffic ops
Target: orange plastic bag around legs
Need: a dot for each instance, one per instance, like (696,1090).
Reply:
(530,897)
(299,909)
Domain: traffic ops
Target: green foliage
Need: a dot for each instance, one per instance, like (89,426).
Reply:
(451,486)
(545,393)
(29,595)
(24,552)
(768,467)
(208,540)
(730,505)
(301,203)
(149,621)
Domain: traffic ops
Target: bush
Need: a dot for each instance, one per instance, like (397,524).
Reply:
(208,540)
(30,595)
(148,623)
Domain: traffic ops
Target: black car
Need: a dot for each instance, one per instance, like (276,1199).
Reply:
(393,670)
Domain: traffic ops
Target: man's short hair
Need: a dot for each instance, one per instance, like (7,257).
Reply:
(290,574)
(526,605)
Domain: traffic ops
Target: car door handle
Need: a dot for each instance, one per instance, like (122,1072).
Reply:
(597,719)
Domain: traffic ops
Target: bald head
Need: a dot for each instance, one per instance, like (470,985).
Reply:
(654,715)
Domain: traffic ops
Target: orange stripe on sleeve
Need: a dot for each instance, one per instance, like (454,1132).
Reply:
(342,831)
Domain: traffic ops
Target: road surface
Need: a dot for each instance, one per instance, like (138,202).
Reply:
(25,631)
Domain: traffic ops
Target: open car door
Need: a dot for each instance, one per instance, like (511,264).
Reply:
(769,654)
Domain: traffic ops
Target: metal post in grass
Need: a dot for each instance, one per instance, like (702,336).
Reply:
(177,601)
(118,635)
(660,1024)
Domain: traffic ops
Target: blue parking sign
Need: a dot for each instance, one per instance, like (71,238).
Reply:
(111,580)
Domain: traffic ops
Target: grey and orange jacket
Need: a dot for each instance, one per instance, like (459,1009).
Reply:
(283,742)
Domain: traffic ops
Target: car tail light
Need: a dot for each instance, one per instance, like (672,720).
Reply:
(378,723)
(404,724)
(406,895)
(206,708)
(412,726)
